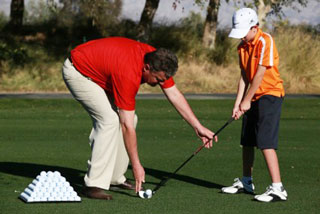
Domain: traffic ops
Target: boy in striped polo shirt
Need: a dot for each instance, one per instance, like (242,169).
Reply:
(259,99)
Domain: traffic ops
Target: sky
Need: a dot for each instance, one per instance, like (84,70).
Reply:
(132,9)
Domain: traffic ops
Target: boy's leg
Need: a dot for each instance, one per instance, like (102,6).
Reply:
(267,141)
(245,184)
(247,160)
(269,111)
(271,159)
(248,142)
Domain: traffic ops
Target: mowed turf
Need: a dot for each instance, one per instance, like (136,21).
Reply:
(41,134)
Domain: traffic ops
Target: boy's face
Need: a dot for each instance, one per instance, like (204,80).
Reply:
(250,35)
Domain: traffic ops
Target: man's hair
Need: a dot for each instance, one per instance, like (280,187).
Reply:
(162,60)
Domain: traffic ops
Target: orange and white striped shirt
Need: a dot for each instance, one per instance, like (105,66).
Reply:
(262,51)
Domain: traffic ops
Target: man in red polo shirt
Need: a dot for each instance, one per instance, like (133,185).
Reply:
(104,75)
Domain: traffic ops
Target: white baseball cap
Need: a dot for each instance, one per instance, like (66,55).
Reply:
(242,20)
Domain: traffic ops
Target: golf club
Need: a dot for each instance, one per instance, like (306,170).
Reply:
(148,193)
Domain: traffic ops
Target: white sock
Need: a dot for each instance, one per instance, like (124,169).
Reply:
(247,180)
(277,186)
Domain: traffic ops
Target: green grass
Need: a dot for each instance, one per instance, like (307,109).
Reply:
(38,135)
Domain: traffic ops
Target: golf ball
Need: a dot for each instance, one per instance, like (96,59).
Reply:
(148,192)
(49,174)
(145,194)
(57,174)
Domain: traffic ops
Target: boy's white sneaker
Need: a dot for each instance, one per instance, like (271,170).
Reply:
(272,194)
(238,187)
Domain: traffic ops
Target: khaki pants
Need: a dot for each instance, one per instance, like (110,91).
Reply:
(109,159)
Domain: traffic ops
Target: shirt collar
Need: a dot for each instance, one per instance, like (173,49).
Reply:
(256,38)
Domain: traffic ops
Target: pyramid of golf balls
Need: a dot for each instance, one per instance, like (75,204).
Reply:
(49,187)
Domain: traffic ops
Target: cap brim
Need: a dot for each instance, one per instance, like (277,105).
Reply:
(238,33)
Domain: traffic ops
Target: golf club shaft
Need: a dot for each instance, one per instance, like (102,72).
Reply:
(184,163)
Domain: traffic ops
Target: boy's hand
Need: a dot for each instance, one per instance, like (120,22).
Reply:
(236,113)
(244,106)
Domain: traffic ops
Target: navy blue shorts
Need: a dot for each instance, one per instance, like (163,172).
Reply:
(260,125)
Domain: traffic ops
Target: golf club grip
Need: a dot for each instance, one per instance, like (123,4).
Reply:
(184,163)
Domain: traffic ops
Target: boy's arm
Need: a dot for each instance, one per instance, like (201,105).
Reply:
(246,102)
(242,88)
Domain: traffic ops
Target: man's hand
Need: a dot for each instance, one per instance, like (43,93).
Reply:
(139,176)
(206,136)
(130,140)
(182,106)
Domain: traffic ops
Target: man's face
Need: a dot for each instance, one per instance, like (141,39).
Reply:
(153,78)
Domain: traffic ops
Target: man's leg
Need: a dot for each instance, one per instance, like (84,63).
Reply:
(106,132)
(122,160)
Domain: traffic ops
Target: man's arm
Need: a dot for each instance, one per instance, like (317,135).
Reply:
(130,140)
(245,105)
(182,106)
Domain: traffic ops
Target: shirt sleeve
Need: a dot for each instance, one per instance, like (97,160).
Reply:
(266,47)
(168,83)
(124,92)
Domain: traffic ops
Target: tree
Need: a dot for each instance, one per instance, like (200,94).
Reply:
(266,7)
(101,14)
(263,7)
(145,24)
(210,24)
(95,17)
(16,14)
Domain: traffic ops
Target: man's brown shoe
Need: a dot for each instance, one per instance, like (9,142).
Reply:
(96,193)
(126,185)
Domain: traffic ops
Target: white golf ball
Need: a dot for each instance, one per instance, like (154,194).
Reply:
(69,188)
(149,192)
(145,194)
(57,174)
(43,173)
(41,178)
(62,179)
(50,198)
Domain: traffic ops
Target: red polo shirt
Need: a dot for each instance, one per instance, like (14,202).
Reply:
(115,64)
